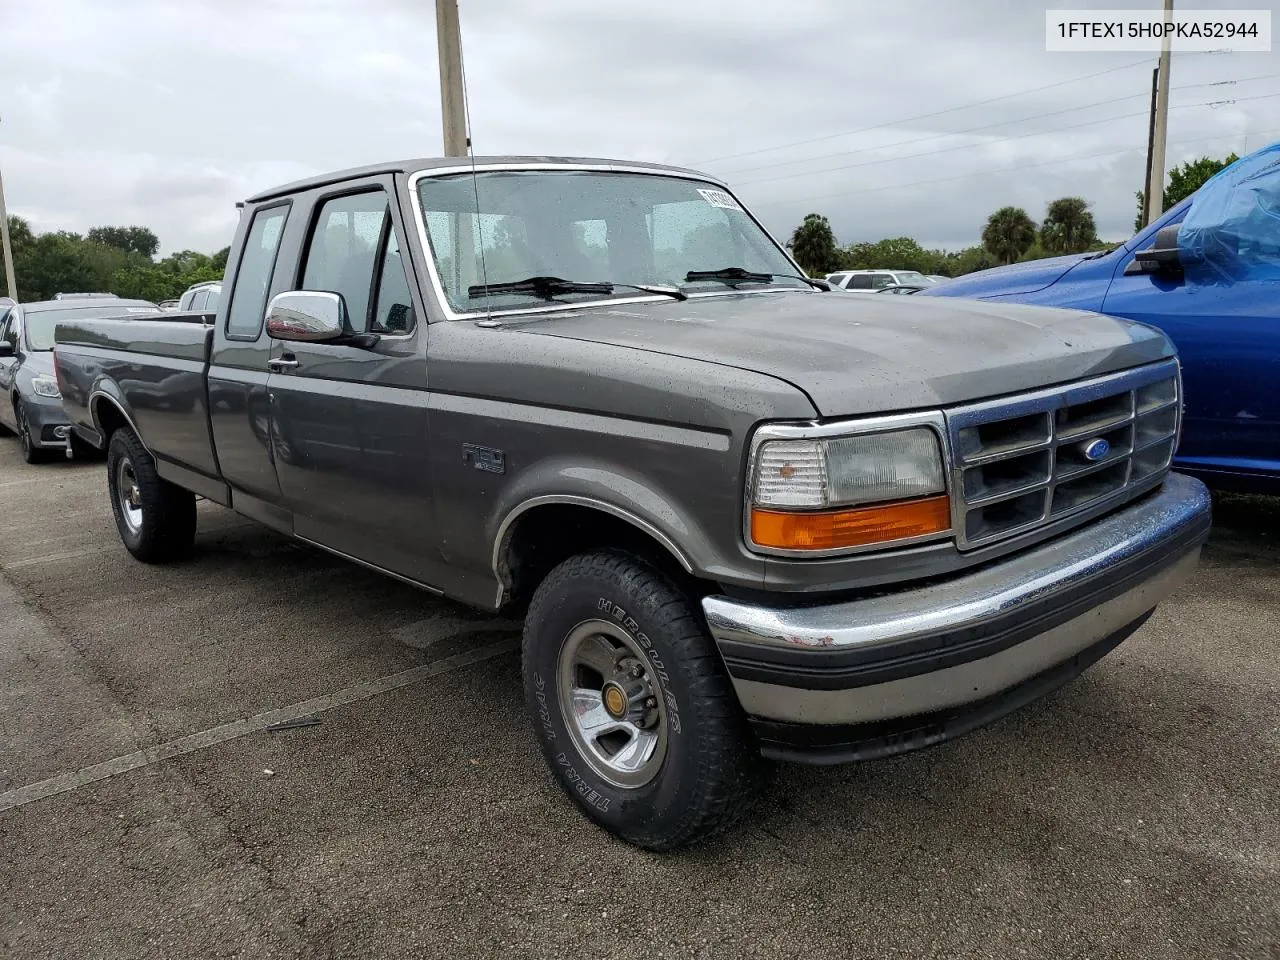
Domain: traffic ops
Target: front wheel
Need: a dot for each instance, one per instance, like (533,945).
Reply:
(30,452)
(631,703)
(156,519)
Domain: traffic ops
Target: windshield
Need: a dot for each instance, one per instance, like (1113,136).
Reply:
(40,324)
(590,227)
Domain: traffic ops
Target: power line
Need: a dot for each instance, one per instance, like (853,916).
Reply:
(987,126)
(993,172)
(986,143)
(924,116)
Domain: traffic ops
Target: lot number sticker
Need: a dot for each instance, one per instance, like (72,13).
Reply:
(718,198)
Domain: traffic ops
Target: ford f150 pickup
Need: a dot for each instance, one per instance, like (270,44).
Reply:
(742,516)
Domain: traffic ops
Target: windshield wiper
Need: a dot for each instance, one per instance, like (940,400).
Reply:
(544,287)
(736,275)
(663,289)
(549,287)
(728,275)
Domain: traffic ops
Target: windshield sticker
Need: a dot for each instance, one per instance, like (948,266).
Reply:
(718,198)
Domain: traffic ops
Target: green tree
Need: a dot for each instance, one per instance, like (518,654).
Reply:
(1009,234)
(219,259)
(1068,226)
(814,245)
(1185,180)
(129,239)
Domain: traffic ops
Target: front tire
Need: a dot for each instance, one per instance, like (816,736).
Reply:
(632,706)
(30,452)
(156,519)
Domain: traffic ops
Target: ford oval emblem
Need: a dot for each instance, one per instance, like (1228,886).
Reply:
(1095,450)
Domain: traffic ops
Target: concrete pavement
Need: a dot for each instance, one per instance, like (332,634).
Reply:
(1136,813)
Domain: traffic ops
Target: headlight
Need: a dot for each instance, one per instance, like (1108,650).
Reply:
(842,492)
(45,387)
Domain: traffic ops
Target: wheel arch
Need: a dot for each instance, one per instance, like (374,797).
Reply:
(109,415)
(543,531)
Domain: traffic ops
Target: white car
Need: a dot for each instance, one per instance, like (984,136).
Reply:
(871,281)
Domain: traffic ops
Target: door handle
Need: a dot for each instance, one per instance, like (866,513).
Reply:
(280,364)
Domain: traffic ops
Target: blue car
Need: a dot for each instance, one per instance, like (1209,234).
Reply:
(1207,273)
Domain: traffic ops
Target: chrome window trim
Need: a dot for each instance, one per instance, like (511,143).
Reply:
(1049,401)
(935,420)
(415,202)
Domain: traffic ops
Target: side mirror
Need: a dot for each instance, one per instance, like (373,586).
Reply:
(308,315)
(1161,257)
(6,348)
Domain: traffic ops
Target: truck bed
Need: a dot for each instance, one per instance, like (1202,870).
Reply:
(154,369)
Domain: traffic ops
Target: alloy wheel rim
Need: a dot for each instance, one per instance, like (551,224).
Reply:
(128,495)
(612,704)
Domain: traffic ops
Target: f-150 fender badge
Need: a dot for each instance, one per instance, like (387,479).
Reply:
(484,458)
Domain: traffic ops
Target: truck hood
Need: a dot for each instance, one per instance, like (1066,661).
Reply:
(860,355)
(1014,279)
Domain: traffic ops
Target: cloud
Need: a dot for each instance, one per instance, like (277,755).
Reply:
(166,114)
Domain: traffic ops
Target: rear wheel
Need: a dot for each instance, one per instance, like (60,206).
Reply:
(156,519)
(631,703)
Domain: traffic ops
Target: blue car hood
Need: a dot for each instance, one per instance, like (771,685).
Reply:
(1016,278)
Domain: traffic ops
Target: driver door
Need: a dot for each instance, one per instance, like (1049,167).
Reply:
(349,422)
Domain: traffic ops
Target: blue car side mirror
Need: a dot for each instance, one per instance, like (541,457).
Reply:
(1163,256)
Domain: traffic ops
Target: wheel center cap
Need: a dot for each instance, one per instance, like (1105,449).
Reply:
(614,700)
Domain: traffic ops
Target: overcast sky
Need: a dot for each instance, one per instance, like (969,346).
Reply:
(166,112)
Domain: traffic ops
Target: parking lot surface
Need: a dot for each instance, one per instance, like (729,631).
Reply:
(146,810)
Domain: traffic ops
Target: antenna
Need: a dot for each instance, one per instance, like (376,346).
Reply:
(475,180)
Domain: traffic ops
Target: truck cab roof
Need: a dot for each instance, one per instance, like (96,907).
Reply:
(479,163)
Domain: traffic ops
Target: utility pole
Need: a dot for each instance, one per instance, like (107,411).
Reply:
(1151,139)
(12,289)
(1159,130)
(452,105)
(11,284)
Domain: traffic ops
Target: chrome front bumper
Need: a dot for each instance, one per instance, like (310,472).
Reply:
(952,645)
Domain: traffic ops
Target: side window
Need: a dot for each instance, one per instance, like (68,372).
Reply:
(859,281)
(393,307)
(343,250)
(253,279)
(199,300)
(5,328)
(213,296)
(881,280)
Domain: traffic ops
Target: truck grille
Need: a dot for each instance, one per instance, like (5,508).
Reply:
(1033,459)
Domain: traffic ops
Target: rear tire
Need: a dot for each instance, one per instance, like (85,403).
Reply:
(632,706)
(156,519)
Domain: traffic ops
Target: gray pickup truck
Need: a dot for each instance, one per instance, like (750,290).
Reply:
(742,516)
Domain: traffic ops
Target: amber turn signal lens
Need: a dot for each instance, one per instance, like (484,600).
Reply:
(854,527)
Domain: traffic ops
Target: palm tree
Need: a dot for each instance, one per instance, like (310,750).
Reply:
(1068,226)
(1009,234)
(814,245)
